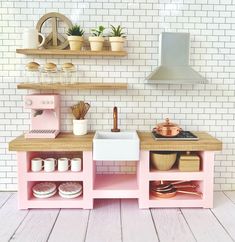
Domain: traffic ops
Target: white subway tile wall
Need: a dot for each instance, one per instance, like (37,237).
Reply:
(207,107)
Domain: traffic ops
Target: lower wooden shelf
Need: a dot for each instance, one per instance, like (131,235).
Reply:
(74,86)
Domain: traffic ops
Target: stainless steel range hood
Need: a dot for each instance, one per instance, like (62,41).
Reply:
(174,61)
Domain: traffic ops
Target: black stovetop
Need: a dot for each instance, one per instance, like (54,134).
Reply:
(183,135)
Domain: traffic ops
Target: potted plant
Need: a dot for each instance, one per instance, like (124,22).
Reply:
(75,37)
(117,38)
(97,38)
(80,123)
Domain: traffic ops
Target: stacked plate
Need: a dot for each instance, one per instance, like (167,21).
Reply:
(44,190)
(70,189)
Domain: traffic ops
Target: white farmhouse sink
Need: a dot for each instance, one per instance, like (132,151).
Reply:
(112,146)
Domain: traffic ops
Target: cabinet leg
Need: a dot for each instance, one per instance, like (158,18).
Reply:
(208,184)
(143,181)
(88,167)
(22,182)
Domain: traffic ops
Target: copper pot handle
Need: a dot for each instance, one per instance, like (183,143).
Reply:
(167,120)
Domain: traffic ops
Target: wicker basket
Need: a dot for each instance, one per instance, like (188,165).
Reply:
(163,161)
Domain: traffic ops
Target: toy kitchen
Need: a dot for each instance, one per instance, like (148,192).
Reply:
(57,169)
(174,168)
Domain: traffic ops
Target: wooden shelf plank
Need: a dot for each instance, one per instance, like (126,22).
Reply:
(74,86)
(70,52)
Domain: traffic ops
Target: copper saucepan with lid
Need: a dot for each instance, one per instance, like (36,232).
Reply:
(167,129)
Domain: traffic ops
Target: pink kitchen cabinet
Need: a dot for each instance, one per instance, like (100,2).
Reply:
(112,186)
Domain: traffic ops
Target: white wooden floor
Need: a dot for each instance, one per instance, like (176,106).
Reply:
(118,220)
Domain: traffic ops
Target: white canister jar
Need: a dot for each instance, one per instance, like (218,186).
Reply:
(80,126)
(30,39)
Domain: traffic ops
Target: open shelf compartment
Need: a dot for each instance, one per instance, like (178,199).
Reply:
(174,173)
(115,186)
(55,201)
(180,199)
(55,175)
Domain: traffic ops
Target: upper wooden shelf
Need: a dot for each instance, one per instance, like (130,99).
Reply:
(70,52)
(73,86)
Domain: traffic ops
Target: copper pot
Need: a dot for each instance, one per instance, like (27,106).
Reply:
(167,129)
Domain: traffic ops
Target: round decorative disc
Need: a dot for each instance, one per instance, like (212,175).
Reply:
(54,40)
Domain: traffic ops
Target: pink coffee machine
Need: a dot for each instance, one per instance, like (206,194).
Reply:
(45,115)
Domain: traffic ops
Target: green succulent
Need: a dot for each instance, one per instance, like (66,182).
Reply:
(98,31)
(75,30)
(117,32)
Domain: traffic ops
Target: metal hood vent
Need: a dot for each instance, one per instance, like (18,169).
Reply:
(174,61)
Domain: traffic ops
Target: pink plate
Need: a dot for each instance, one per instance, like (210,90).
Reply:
(44,188)
(70,188)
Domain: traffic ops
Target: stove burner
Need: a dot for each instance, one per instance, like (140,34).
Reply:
(183,136)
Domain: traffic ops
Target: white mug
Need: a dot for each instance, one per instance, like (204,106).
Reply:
(49,164)
(36,164)
(76,164)
(63,164)
(30,39)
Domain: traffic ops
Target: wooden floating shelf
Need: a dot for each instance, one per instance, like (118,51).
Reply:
(74,86)
(70,52)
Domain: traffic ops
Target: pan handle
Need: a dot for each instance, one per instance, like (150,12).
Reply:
(192,193)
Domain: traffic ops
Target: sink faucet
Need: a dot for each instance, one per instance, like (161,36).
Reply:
(115,120)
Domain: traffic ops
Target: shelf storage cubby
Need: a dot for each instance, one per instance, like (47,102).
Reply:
(55,201)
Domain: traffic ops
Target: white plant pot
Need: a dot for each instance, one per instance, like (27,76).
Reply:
(79,127)
(96,43)
(116,43)
(75,42)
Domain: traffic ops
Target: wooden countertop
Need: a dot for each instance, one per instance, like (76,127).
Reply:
(63,142)
(69,142)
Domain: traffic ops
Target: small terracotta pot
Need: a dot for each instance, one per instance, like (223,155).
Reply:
(75,42)
(96,43)
(167,129)
(116,43)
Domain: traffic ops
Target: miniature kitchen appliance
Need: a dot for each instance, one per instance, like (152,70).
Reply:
(167,129)
(182,136)
(45,115)
(170,131)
